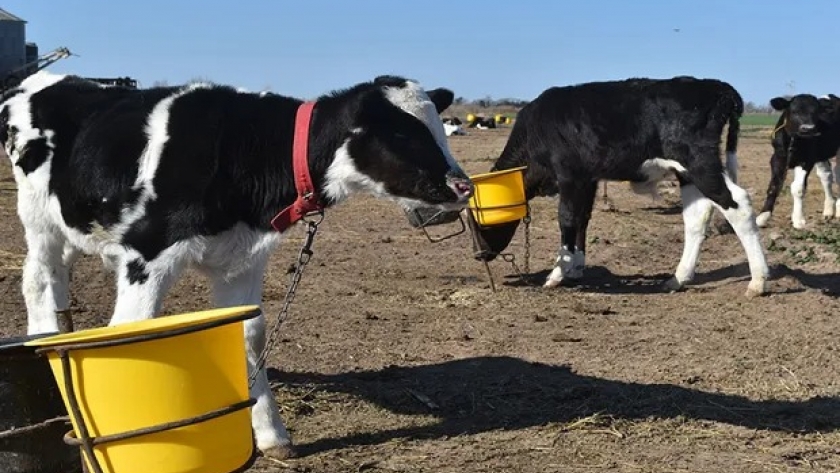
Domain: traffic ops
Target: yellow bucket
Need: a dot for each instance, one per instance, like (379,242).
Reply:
(166,395)
(499,197)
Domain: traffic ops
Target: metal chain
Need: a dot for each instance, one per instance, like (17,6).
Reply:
(303,259)
(511,258)
(527,221)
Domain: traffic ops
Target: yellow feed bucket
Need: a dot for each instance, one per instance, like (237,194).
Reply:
(164,395)
(499,197)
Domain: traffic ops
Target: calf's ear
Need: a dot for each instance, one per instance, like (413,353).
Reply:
(779,103)
(442,98)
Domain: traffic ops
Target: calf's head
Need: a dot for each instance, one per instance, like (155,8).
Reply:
(831,108)
(804,115)
(489,242)
(398,148)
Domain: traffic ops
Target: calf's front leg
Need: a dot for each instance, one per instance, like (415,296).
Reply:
(797,191)
(778,172)
(142,285)
(574,211)
(245,288)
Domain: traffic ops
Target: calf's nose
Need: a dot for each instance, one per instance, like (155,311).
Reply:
(462,187)
(460,184)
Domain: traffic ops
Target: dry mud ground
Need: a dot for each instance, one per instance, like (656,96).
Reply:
(396,356)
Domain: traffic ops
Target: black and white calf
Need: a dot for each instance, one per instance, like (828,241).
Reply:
(806,137)
(482,123)
(637,130)
(452,126)
(162,179)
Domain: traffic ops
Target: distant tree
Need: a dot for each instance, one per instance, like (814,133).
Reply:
(752,107)
(510,102)
(486,102)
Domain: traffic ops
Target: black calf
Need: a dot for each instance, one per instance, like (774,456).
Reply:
(806,137)
(637,130)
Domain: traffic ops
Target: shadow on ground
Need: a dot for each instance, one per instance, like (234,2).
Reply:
(599,279)
(483,394)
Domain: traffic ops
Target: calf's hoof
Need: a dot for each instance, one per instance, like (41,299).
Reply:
(673,285)
(828,211)
(559,277)
(800,224)
(756,288)
(280,452)
(549,283)
(564,281)
(763,219)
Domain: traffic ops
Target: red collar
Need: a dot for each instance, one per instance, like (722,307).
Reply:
(307,200)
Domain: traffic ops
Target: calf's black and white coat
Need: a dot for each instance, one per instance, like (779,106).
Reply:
(637,130)
(162,179)
(806,137)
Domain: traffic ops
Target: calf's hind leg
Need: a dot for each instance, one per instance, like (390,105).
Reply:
(823,169)
(697,212)
(735,204)
(46,279)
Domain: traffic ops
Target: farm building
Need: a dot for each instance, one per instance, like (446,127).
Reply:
(14,51)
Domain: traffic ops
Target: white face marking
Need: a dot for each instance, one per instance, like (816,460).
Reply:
(343,179)
(413,100)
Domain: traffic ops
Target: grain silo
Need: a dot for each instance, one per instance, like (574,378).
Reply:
(12,42)
(31,52)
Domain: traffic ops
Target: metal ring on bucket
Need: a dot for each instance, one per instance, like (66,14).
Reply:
(71,439)
(495,207)
(86,442)
(149,336)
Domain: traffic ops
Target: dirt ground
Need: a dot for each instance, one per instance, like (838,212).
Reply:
(397,357)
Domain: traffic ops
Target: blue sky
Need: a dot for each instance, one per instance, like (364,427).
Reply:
(513,48)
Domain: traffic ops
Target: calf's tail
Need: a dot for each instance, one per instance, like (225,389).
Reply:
(735,108)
